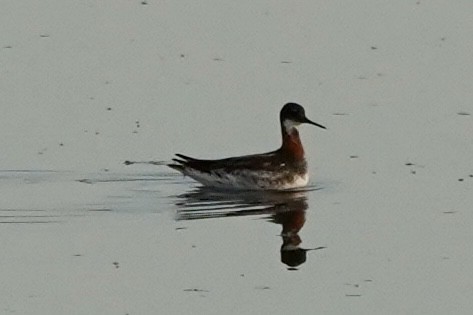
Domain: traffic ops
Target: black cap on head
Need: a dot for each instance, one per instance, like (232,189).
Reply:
(296,113)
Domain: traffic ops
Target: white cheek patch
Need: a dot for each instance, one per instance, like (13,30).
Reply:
(290,124)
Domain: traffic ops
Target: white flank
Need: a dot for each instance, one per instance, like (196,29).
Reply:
(245,180)
(299,181)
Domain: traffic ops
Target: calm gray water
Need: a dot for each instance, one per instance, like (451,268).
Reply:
(335,247)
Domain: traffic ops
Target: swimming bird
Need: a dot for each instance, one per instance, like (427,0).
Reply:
(284,168)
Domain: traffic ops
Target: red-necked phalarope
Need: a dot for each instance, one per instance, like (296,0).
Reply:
(285,168)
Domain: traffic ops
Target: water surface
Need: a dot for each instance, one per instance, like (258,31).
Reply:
(87,85)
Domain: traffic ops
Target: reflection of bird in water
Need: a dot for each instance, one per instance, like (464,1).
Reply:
(286,208)
(292,221)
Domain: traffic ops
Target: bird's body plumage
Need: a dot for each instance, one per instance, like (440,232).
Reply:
(284,168)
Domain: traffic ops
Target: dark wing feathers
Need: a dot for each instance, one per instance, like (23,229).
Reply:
(185,157)
(188,162)
(269,161)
